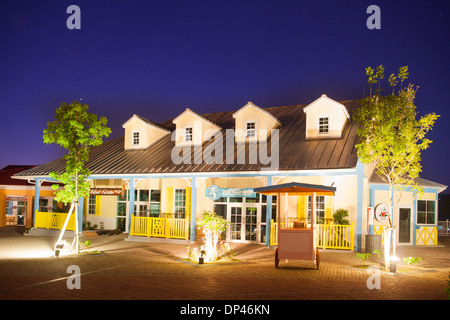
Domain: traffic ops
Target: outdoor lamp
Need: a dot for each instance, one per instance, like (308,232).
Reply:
(201,259)
(58,247)
(393,264)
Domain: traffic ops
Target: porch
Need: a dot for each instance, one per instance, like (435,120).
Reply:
(328,236)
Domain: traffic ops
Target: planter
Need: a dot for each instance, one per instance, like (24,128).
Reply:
(373,242)
(90,233)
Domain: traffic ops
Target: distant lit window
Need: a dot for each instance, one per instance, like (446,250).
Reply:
(251,129)
(323,125)
(135,138)
(188,134)
(426,211)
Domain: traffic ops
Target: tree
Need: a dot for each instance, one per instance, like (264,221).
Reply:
(391,138)
(212,226)
(76,130)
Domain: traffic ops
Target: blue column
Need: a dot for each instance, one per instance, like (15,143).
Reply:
(372,204)
(80,214)
(130,204)
(37,189)
(359,205)
(193,209)
(268,213)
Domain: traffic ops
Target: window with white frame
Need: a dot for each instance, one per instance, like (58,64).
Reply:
(91,205)
(250,130)
(323,125)
(426,211)
(136,138)
(180,203)
(320,209)
(188,134)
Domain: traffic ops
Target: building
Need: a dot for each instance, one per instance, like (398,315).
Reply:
(17,198)
(157,179)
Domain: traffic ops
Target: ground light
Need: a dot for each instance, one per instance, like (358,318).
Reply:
(393,260)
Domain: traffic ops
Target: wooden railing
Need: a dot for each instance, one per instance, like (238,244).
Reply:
(160,227)
(328,236)
(53,220)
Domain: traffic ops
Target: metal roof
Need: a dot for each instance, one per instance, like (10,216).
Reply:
(295,152)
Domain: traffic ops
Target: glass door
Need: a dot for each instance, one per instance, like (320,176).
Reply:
(404,234)
(251,223)
(235,222)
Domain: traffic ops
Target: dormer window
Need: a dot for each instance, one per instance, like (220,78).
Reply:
(188,134)
(323,125)
(136,138)
(250,130)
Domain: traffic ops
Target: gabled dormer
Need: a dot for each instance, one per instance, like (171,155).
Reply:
(325,118)
(253,123)
(140,133)
(193,129)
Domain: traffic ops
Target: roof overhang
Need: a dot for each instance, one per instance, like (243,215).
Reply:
(295,188)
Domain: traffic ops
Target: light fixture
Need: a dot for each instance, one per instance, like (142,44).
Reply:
(58,247)
(393,264)
(201,259)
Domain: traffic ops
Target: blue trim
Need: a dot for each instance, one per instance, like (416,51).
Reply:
(37,190)
(372,204)
(130,203)
(268,213)
(385,187)
(80,214)
(359,205)
(193,209)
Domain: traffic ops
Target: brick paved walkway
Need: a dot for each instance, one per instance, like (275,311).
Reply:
(152,271)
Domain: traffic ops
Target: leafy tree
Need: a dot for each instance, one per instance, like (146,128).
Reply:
(391,138)
(212,226)
(76,130)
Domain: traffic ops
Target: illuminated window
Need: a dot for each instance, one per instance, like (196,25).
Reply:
(426,211)
(323,125)
(250,130)
(135,138)
(188,134)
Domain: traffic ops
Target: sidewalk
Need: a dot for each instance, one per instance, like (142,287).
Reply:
(155,271)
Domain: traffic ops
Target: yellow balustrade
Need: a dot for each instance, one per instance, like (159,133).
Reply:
(53,220)
(328,236)
(160,227)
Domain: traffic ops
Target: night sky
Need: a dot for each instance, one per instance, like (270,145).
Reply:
(157,58)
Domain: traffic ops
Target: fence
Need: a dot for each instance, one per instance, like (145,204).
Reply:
(444,228)
(53,220)
(160,227)
(328,236)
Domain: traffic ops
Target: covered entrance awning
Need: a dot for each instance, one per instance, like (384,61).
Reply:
(295,188)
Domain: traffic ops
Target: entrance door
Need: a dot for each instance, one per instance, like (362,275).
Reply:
(15,212)
(404,234)
(244,222)
(251,223)
(235,215)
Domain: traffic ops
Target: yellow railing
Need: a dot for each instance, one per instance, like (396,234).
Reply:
(160,227)
(328,236)
(53,220)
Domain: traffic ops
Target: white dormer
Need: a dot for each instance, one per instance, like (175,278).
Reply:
(325,118)
(253,123)
(141,133)
(193,129)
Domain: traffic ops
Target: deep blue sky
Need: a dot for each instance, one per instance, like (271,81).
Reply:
(156,58)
